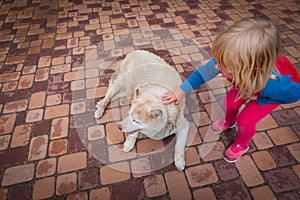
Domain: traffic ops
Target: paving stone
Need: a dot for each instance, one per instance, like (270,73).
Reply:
(191,156)
(21,135)
(72,162)
(124,190)
(290,195)
(285,117)
(34,115)
(201,119)
(96,132)
(149,146)
(38,147)
(296,169)
(231,190)
(37,100)
(42,74)
(10,86)
(263,192)
(58,147)
(46,167)
(13,157)
(226,171)
(3,194)
(14,76)
(44,188)
(140,167)
(262,141)
(283,179)
(163,162)
(20,191)
(100,193)
(59,87)
(249,172)
(4,142)
(114,173)
(44,61)
(175,180)
(211,151)
(78,107)
(264,160)
(201,175)
(155,186)
(7,123)
(40,86)
(295,150)
(15,60)
(94,93)
(41,128)
(66,183)
(18,174)
(205,193)
(16,106)
(88,178)
(283,135)
(79,195)
(282,156)
(266,123)
(116,153)
(114,134)
(59,128)
(56,111)
(296,129)
(26,81)
(194,137)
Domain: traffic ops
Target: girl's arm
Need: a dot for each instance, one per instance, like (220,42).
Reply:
(202,74)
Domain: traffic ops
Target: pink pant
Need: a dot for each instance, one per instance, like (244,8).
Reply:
(247,118)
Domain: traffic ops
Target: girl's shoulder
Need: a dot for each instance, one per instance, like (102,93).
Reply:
(285,67)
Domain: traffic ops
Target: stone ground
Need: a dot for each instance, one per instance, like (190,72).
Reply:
(52,58)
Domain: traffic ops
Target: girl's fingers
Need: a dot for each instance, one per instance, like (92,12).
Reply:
(166,97)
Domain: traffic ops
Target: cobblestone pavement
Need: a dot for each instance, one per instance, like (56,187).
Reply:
(52,56)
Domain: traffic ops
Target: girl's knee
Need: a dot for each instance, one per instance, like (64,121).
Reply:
(245,124)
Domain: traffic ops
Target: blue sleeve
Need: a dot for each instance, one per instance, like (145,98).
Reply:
(202,74)
(280,91)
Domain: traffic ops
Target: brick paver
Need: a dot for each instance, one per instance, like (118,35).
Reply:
(53,58)
(249,172)
(155,186)
(174,181)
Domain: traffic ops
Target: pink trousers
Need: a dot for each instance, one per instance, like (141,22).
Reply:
(247,118)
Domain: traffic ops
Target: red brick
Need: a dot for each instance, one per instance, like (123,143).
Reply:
(249,171)
(114,173)
(100,194)
(66,183)
(263,192)
(57,111)
(72,162)
(201,175)
(155,186)
(44,188)
(176,180)
(204,193)
(7,123)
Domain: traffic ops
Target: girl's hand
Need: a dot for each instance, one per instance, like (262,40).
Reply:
(174,95)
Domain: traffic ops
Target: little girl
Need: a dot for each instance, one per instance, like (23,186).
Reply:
(247,54)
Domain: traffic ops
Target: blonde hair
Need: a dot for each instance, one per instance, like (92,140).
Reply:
(248,49)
